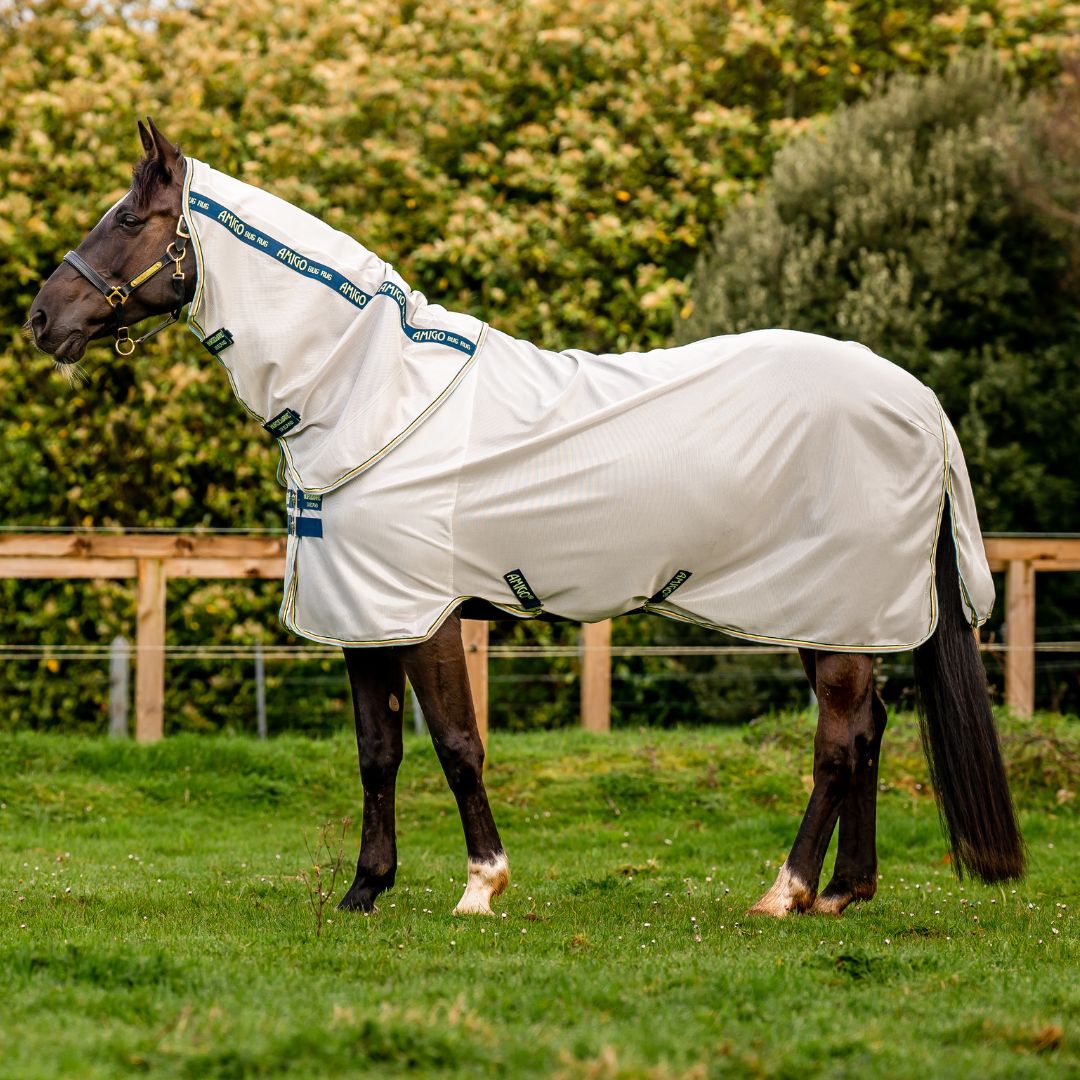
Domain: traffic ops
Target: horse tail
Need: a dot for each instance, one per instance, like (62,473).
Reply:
(959,737)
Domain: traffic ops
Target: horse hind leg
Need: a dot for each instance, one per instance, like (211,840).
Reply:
(844,686)
(855,872)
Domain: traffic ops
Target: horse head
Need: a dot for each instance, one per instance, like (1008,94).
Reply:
(120,274)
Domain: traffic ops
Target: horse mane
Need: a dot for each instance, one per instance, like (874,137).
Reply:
(145,177)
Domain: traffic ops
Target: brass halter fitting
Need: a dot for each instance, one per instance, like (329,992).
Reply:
(178,254)
(123,344)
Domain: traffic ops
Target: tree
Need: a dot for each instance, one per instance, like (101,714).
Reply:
(933,223)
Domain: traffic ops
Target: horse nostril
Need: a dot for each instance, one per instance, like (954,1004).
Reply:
(38,322)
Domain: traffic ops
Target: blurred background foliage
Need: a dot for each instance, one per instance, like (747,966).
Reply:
(582,174)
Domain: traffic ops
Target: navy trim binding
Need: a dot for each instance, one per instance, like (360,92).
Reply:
(325,275)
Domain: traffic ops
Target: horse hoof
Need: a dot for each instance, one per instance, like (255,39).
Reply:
(473,908)
(350,902)
(831,904)
(788,893)
(360,898)
(838,894)
(487,879)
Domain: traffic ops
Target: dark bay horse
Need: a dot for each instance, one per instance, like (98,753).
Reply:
(135,265)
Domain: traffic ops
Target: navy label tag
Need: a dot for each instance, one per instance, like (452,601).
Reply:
(283,423)
(679,579)
(520,588)
(305,526)
(218,341)
(310,502)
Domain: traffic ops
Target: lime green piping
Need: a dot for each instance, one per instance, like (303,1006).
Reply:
(200,277)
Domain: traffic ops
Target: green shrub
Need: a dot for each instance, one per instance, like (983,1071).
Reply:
(907,223)
(898,225)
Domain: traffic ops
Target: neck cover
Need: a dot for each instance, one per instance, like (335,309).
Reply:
(324,335)
(779,486)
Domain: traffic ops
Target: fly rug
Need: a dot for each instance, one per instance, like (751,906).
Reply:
(778,486)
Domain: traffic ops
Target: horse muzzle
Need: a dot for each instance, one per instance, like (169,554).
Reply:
(64,342)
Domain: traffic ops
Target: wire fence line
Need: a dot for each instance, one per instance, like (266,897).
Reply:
(92,651)
(636,674)
(153,555)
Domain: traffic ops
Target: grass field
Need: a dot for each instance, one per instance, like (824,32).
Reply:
(154,921)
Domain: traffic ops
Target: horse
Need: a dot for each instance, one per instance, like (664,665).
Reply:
(397,365)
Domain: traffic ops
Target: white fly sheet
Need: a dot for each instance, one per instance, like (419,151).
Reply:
(776,485)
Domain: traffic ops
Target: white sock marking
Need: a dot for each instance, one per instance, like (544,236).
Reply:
(782,897)
(486,881)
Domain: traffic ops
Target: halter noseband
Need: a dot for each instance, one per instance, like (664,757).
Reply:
(117,295)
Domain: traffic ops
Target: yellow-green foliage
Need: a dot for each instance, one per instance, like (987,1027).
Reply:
(553,167)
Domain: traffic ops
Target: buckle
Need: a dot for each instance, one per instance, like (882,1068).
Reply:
(117,296)
(123,337)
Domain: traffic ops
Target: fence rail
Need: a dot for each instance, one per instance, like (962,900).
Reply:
(152,559)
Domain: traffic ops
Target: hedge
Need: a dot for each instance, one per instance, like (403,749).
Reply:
(554,168)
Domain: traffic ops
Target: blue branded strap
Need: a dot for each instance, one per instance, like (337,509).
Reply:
(305,526)
(325,275)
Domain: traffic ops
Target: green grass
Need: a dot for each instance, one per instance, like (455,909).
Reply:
(154,923)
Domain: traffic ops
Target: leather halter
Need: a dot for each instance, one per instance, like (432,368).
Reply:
(117,295)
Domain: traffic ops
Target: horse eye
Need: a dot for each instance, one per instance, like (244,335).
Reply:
(129,221)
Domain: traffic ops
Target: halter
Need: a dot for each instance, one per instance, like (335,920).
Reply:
(117,295)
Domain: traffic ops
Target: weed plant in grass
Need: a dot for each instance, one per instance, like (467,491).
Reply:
(155,920)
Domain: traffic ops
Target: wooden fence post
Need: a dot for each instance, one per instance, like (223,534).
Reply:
(474,636)
(150,652)
(1020,628)
(596,676)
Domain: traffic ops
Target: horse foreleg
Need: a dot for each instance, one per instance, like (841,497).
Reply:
(855,873)
(378,690)
(438,674)
(844,686)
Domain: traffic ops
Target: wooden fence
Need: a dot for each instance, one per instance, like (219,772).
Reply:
(152,559)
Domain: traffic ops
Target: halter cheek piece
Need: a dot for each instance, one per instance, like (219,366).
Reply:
(117,295)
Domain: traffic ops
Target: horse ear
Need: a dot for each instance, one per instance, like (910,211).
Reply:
(146,138)
(166,153)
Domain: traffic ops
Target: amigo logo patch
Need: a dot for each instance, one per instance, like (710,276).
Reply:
(679,579)
(522,590)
